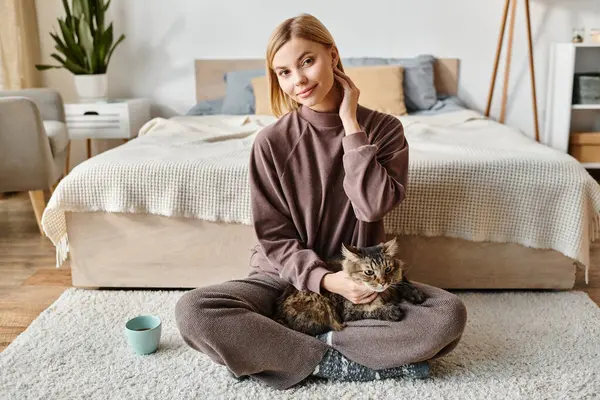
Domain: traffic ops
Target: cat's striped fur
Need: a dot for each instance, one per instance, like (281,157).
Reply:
(376,267)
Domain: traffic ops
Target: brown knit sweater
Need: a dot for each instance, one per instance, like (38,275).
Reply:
(314,188)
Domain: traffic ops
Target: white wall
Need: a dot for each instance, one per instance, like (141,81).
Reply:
(164,37)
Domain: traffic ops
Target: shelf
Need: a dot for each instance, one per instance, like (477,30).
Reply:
(585,106)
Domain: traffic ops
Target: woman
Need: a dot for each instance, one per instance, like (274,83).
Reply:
(324,174)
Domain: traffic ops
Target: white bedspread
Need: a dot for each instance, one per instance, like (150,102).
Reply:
(469,178)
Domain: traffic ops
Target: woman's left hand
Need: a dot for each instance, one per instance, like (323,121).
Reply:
(349,102)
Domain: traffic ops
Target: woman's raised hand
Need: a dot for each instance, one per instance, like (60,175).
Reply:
(349,102)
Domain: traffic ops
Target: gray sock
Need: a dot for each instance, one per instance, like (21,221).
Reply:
(335,366)
(325,337)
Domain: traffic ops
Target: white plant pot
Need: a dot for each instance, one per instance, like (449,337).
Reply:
(91,88)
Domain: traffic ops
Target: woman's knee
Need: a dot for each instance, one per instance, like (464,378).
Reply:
(448,307)
(455,315)
(190,311)
(446,329)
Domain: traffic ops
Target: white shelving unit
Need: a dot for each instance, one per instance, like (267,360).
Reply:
(591,165)
(562,116)
(585,107)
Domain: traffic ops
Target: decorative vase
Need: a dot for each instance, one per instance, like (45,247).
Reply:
(91,88)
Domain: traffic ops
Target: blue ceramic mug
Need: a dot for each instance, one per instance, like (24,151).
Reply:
(143,333)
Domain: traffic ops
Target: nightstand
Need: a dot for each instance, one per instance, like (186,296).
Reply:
(113,119)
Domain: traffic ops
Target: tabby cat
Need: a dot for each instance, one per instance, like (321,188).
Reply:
(375,267)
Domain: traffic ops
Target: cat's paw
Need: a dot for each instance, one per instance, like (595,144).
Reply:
(396,314)
(415,296)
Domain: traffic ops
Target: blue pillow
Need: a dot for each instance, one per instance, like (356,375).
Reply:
(239,96)
(207,107)
(419,86)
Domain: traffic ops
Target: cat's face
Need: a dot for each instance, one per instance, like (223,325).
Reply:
(376,266)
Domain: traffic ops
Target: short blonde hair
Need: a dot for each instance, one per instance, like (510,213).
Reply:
(304,26)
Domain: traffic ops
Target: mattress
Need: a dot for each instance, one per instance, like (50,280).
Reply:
(470,178)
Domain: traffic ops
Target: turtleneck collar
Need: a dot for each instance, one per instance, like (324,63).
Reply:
(320,119)
(324,119)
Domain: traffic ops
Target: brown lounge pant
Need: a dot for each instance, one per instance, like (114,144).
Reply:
(230,322)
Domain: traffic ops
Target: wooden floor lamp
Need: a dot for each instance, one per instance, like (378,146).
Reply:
(512,4)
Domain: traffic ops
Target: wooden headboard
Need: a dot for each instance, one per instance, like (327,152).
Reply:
(210,84)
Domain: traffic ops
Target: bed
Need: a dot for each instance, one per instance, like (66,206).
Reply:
(474,241)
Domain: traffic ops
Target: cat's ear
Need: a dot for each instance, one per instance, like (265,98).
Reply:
(350,253)
(390,248)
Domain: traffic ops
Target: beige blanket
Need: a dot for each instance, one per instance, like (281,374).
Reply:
(469,178)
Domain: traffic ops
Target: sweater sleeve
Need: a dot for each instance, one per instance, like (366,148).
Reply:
(376,174)
(274,227)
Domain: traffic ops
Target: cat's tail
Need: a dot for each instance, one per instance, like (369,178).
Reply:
(287,292)
(335,325)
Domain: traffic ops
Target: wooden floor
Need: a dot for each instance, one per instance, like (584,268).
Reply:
(29,281)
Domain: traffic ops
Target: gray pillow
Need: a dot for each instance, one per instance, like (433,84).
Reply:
(239,96)
(207,107)
(419,87)
(362,61)
(443,104)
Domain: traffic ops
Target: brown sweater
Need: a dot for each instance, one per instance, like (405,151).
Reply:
(313,188)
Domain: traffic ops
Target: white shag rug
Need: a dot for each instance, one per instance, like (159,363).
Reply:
(517,345)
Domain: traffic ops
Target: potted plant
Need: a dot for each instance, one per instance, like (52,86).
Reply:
(86,46)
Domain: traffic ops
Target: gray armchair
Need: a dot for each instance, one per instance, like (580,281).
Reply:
(34,143)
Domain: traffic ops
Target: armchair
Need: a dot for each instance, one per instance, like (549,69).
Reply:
(34,143)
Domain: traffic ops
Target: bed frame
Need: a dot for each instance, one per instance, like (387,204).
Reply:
(134,250)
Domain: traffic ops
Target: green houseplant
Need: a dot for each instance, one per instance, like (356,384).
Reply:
(85,46)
